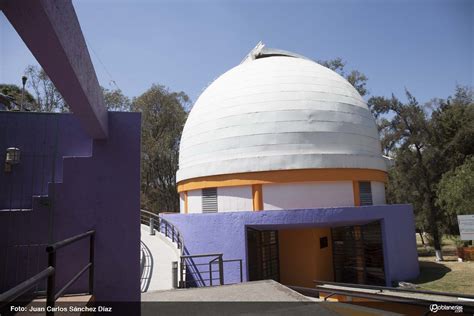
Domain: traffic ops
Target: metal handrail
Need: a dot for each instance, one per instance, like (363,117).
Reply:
(217,256)
(376,297)
(156,222)
(50,273)
(202,255)
(51,296)
(68,241)
(229,260)
(393,289)
(12,294)
(316,292)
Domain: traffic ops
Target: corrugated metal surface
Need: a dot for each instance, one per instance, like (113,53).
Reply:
(278,113)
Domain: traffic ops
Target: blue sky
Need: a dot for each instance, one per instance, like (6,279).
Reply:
(425,46)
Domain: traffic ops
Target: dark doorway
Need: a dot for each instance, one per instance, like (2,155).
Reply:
(358,254)
(263,257)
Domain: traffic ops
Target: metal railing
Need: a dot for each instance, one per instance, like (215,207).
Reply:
(52,295)
(155,222)
(190,271)
(22,288)
(191,274)
(50,274)
(223,262)
(392,289)
(353,290)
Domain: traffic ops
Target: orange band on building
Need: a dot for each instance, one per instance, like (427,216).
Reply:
(283,176)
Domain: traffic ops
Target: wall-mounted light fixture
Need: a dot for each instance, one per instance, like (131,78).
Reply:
(12,158)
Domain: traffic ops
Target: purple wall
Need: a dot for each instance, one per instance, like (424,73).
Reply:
(99,191)
(225,233)
(44,139)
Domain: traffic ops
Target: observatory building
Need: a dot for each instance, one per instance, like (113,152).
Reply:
(280,169)
(279,131)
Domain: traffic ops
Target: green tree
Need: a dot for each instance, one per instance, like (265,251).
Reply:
(355,77)
(425,141)
(15,92)
(115,100)
(48,98)
(455,190)
(410,180)
(452,125)
(163,118)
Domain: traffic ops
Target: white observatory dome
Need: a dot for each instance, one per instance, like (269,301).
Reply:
(278,111)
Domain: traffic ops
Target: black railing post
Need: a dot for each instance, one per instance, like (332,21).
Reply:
(241,273)
(91,260)
(221,270)
(50,287)
(210,273)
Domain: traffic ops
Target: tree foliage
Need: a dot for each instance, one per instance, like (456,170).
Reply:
(357,79)
(15,92)
(115,100)
(426,141)
(163,118)
(47,97)
(456,188)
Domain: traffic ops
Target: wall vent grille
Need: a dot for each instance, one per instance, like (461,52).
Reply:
(209,200)
(365,193)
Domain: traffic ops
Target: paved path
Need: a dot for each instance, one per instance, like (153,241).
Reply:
(157,254)
(256,291)
(251,298)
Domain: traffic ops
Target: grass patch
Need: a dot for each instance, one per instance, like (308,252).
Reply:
(446,276)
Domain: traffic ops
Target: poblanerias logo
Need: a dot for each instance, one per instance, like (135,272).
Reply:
(439,307)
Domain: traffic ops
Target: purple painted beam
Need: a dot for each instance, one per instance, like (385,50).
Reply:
(52,32)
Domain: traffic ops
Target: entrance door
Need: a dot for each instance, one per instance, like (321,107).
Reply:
(358,254)
(263,257)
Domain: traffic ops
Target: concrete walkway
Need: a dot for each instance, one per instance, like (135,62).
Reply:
(157,254)
(256,291)
(251,298)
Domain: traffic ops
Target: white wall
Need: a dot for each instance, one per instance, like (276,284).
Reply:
(231,199)
(195,201)
(307,195)
(378,193)
(285,196)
